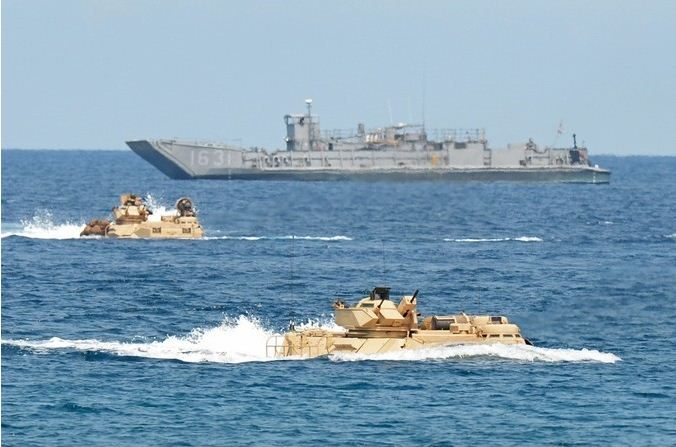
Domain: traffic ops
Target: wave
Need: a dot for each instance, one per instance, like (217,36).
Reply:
(244,339)
(42,226)
(509,352)
(278,238)
(234,341)
(500,239)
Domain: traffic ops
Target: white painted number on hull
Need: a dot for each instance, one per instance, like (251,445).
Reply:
(207,157)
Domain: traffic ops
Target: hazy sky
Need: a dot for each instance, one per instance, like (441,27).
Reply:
(94,73)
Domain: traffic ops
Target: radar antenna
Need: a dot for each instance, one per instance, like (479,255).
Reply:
(559,132)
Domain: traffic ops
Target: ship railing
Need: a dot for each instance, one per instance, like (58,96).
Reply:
(344,134)
(275,346)
(278,347)
(336,134)
(232,143)
(459,135)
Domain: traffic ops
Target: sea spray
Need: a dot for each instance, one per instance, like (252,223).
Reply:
(158,209)
(41,226)
(235,340)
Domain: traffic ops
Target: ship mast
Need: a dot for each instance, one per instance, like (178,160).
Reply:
(310,136)
(423,106)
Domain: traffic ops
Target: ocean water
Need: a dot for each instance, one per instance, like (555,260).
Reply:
(140,342)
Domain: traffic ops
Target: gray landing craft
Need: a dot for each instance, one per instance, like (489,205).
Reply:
(396,152)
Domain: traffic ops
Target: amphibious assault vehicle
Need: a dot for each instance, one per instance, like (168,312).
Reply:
(133,219)
(377,325)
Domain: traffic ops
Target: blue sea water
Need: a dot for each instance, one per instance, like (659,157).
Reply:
(140,342)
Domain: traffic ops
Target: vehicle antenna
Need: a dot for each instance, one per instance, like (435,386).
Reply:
(559,131)
(382,241)
(293,254)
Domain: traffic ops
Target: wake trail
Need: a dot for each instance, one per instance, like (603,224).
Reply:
(244,339)
(281,238)
(497,239)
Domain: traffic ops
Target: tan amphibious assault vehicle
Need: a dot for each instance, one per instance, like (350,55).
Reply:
(133,219)
(377,325)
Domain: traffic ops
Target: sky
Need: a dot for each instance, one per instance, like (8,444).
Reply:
(91,74)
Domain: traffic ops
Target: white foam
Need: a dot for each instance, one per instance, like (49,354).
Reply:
(671,236)
(234,341)
(476,240)
(42,226)
(509,352)
(600,222)
(527,239)
(274,238)
(318,238)
(501,239)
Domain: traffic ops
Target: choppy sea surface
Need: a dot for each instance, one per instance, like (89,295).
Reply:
(151,342)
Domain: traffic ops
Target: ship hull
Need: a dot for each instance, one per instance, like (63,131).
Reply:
(179,160)
(476,174)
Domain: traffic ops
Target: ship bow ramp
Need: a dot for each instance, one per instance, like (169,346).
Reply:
(159,155)
(185,160)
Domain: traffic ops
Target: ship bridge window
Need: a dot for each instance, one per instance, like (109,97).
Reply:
(496,320)
(507,335)
(494,335)
(367,305)
(187,230)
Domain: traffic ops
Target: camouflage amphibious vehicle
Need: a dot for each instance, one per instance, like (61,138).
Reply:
(378,325)
(133,219)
